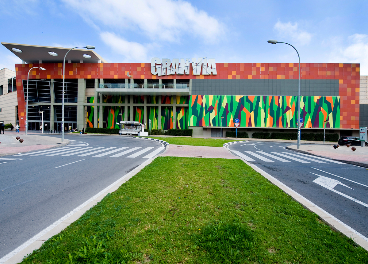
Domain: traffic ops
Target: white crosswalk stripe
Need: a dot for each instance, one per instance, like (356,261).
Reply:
(125,152)
(288,156)
(274,157)
(258,156)
(109,152)
(97,152)
(153,153)
(320,158)
(244,157)
(140,152)
(304,157)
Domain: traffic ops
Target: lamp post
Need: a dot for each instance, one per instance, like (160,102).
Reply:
(62,96)
(41,112)
(43,69)
(298,122)
(324,130)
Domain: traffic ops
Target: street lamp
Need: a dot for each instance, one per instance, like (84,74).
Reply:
(324,130)
(41,119)
(43,69)
(62,99)
(298,121)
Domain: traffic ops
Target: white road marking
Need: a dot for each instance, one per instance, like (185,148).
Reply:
(94,152)
(69,164)
(329,160)
(241,155)
(274,157)
(38,152)
(330,184)
(61,151)
(9,159)
(286,156)
(109,152)
(140,152)
(124,152)
(153,153)
(340,177)
(303,157)
(83,150)
(258,156)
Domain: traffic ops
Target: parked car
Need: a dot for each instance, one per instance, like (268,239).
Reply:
(354,141)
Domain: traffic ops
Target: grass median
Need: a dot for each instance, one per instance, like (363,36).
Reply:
(190,210)
(209,142)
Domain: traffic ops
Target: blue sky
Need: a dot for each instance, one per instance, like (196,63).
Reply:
(229,31)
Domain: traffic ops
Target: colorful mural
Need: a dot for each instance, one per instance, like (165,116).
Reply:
(166,99)
(153,117)
(181,118)
(264,111)
(90,111)
(166,118)
(182,99)
(112,115)
(138,114)
(114,99)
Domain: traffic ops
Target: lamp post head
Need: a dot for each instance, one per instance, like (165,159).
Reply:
(272,41)
(42,68)
(89,47)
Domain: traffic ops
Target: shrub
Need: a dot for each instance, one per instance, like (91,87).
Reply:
(263,135)
(156,132)
(179,132)
(102,130)
(6,126)
(240,134)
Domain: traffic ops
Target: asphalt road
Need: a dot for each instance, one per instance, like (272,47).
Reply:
(338,188)
(38,188)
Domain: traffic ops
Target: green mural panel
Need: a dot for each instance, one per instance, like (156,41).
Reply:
(263,111)
(166,118)
(153,117)
(181,117)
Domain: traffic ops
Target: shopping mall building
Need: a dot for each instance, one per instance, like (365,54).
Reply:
(197,93)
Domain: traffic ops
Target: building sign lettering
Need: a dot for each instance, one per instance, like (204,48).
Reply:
(200,66)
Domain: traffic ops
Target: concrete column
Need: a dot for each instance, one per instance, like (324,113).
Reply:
(101,112)
(131,118)
(160,83)
(145,84)
(95,119)
(52,111)
(81,121)
(145,109)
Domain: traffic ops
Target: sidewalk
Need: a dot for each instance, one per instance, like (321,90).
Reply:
(9,145)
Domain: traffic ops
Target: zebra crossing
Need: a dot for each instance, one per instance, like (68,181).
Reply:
(284,156)
(97,152)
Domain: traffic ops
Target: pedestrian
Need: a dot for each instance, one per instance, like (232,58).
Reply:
(2,128)
(17,128)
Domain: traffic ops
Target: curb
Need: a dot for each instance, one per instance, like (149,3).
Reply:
(162,142)
(344,161)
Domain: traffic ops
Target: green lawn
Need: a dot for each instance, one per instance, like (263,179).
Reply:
(191,210)
(210,142)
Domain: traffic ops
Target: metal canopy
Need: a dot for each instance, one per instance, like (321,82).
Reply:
(41,54)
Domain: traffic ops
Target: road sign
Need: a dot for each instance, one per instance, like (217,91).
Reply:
(301,120)
(237,124)
(236,120)
(363,134)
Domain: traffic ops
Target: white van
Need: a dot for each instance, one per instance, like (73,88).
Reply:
(132,128)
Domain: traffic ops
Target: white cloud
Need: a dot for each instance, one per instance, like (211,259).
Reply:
(355,51)
(9,60)
(132,51)
(292,32)
(165,20)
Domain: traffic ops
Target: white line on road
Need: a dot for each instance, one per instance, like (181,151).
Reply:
(153,153)
(286,156)
(339,177)
(109,152)
(304,157)
(69,163)
(274,157)
(124,152)
(140,152)
(322,180)
(258,156)
(320,158)
(241,155)
(94,152)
